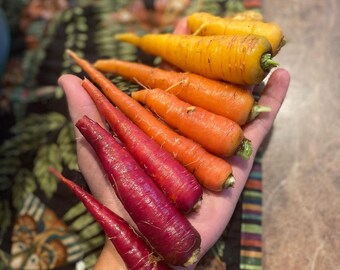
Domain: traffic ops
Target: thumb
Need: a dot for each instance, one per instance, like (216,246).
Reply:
(273,96)
(80,104)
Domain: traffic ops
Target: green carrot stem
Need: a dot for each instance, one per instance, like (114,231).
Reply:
(267,62)
(256,110)
(245,149)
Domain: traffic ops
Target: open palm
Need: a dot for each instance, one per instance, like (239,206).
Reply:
(217,208)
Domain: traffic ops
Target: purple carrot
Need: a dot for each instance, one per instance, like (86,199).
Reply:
(135,253)
(169,232)
(179,185)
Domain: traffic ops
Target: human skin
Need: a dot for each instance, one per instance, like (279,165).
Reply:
(217,208)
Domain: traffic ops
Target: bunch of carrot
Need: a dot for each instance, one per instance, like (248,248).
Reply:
(239,51)
(211,171)
(175,133)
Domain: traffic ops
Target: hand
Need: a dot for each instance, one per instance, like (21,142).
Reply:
(217,208)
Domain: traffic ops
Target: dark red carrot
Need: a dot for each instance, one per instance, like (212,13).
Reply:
(179,185)
(134,251)
(157,219)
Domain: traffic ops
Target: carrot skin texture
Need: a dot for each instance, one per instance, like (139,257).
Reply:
(207,24)
(219,135)
(179,185)
(229,100)
(236,59)
(157,219)
(212,172)
(134,251)
(247,15)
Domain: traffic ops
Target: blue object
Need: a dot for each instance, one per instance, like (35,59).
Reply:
(4,41)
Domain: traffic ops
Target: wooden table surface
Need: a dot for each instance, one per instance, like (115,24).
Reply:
(301,166)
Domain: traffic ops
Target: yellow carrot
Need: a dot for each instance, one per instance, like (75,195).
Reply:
(206,24)
(248,15)
(240,59)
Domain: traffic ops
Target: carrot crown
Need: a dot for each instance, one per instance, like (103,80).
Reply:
(256,110)
(267,63)
(229,182)
(245,149)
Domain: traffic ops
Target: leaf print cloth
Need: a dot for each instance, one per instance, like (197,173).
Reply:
(42,225)
(40,240)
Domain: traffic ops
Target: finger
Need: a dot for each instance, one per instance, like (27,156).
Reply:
(182,27)
(78,101)
(272,96)
(80,104)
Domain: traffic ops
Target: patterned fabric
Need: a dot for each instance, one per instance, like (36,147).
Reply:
(40,240)
(251,224)
(42,225)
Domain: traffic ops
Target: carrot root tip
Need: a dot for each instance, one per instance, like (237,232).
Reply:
(245,149)
(267,63)
(128,37)
(199,29)
(229,183)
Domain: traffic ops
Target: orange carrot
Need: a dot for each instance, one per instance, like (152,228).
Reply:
(219,135)
(177,183)
(229,100)
(212,172)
